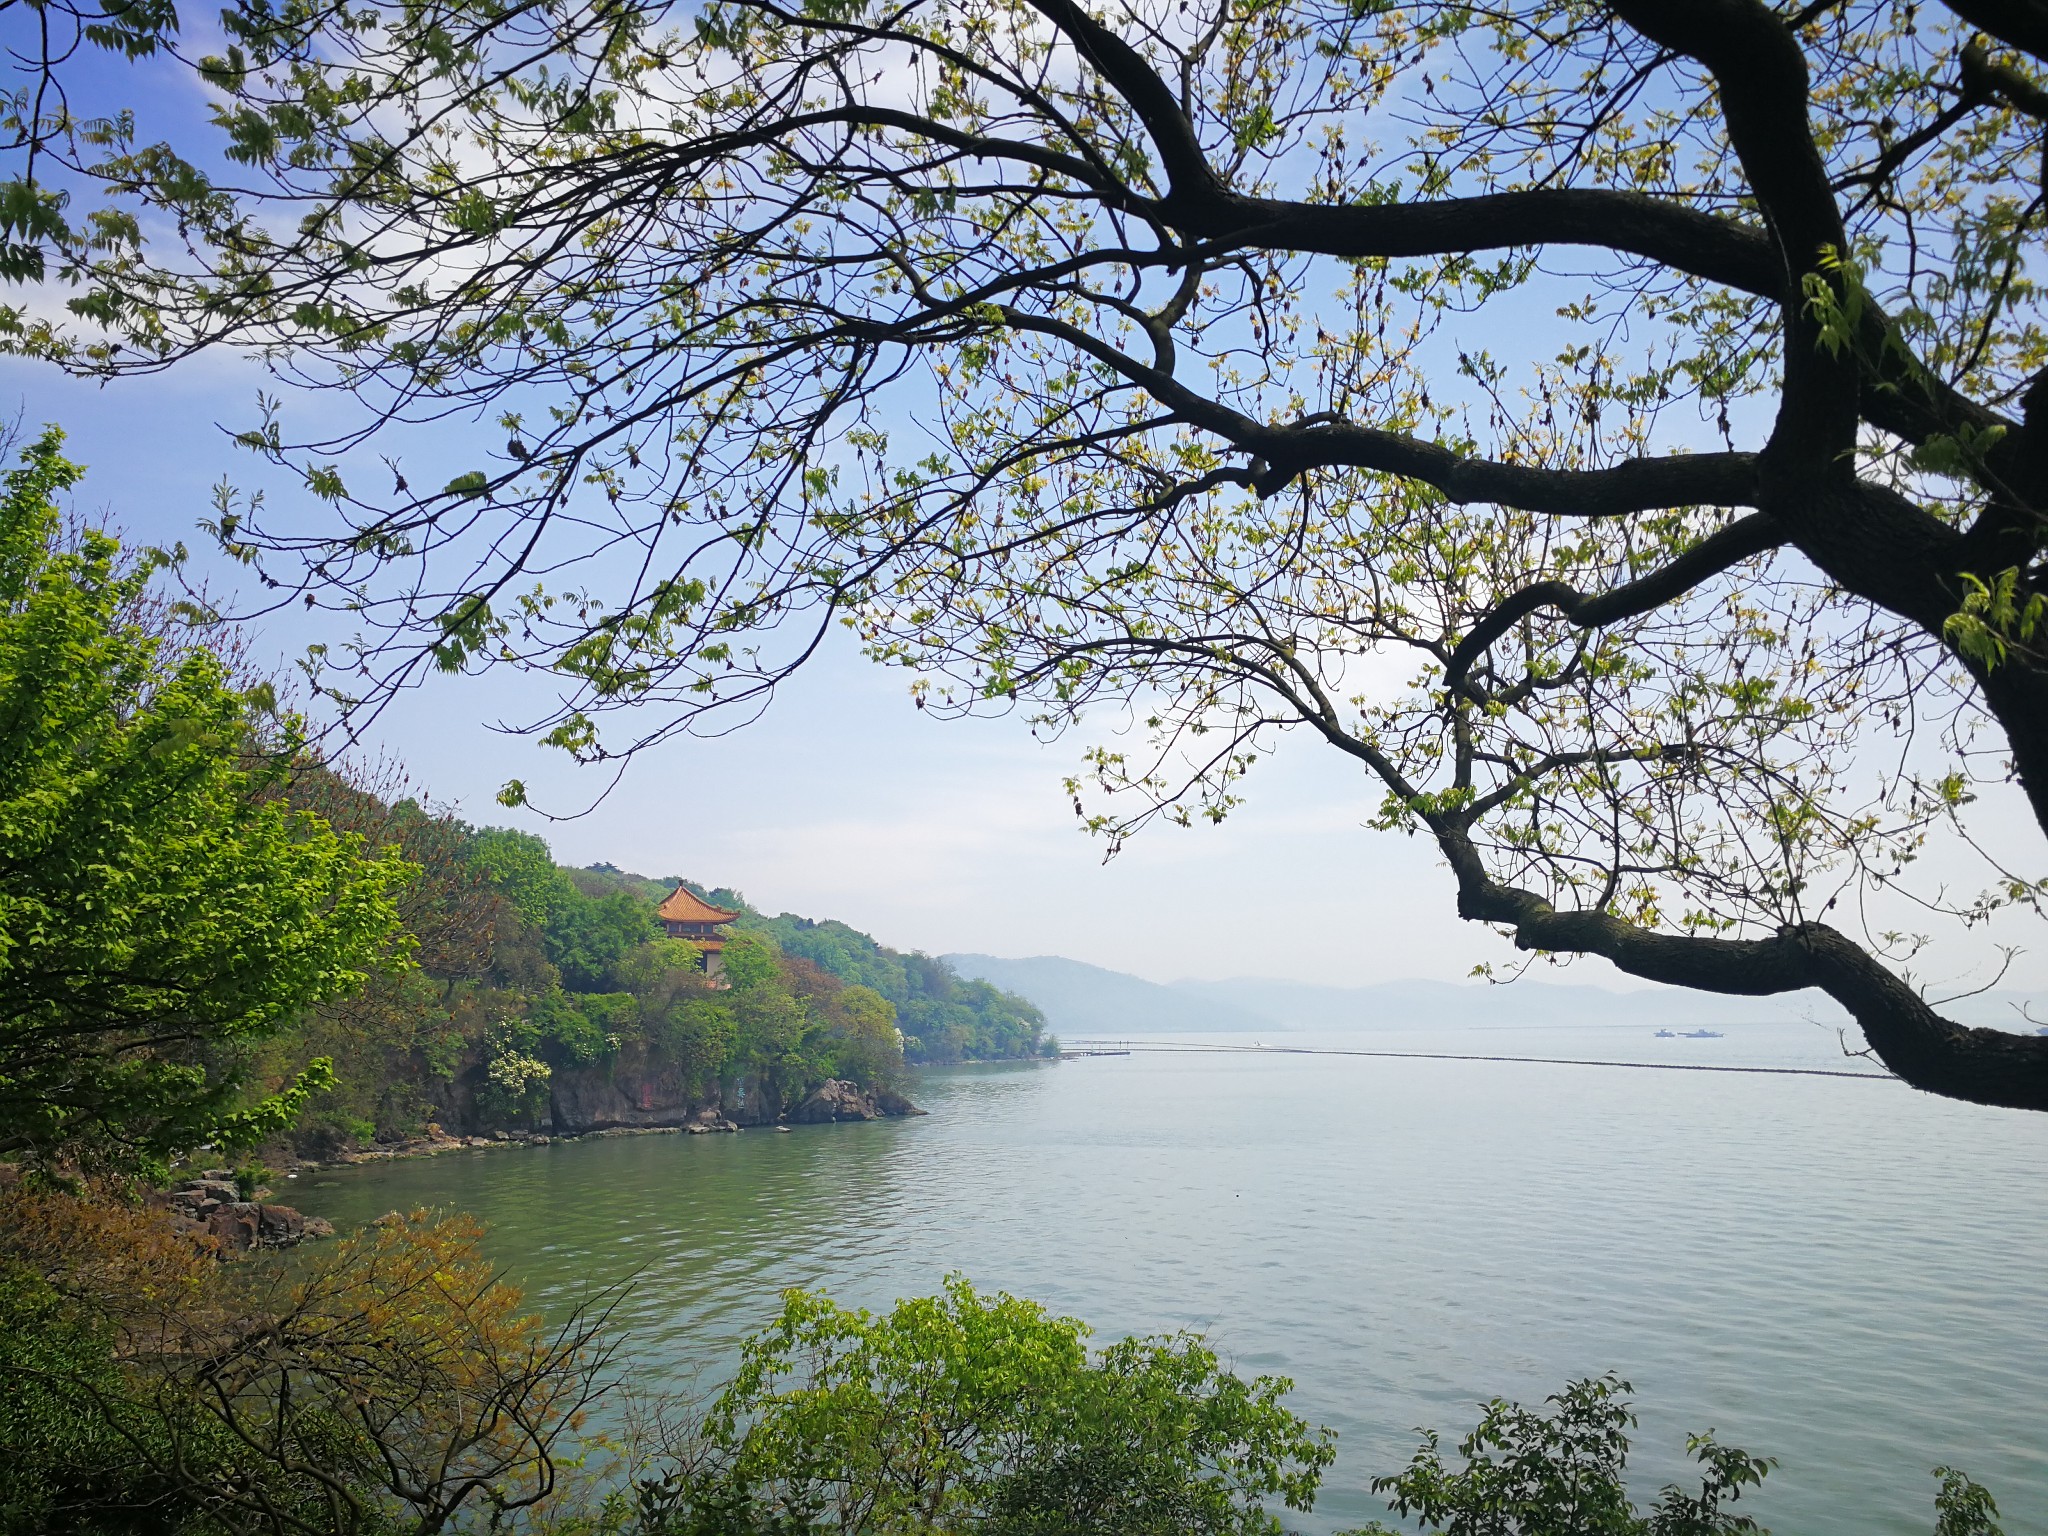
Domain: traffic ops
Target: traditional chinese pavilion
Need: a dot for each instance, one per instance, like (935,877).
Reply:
(687,916)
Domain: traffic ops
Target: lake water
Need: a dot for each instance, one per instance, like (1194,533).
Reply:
(1848,1276)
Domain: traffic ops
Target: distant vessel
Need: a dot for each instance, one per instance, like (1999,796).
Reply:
(1699,1034)
(1665,1034)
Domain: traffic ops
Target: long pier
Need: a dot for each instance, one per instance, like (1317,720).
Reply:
(1171,1047)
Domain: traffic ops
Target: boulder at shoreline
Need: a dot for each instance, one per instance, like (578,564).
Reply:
(838,1099)
(214,1206)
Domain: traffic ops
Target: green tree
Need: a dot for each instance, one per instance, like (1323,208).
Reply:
(1558,1471)
(869,1048)
(395,1043)
(984,1414)
(583,936)
(576,1029)
(845,951)
(588,938)
(944,1017)
(775,1040)
(1613,428)
(160,911)
(749,960)
(524,872)
(698,1033)
(660,969)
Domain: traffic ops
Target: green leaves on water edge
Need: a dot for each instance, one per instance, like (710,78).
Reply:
(1558,1471)
(985,1414)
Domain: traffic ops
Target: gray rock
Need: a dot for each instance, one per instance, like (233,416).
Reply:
(619,1096)
(753,1103)
(835,1099)
(244,1224)
(838,1099)
(237,1223)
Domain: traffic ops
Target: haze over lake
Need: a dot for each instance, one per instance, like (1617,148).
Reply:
(1849,1276)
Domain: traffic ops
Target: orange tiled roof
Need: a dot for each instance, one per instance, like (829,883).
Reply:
(683,907)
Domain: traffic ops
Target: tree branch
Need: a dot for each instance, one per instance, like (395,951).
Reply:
(1719,250)
(1761,74)
(1714,554)
(1200,205)
(1980,1066)
(1636,485)
(1188,171)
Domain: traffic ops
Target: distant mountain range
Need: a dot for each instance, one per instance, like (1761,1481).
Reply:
(1081,1000)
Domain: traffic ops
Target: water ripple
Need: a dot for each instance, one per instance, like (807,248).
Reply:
(1847,1276)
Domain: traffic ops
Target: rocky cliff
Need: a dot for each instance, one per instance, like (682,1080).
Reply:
(602,1098)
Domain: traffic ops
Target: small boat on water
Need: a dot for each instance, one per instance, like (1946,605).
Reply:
(1665,1034)
(1700,1034)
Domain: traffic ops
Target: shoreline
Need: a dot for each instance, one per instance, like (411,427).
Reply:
(438,1142)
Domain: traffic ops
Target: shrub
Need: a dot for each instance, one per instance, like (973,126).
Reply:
(388,1383)
(986,1414)
(1558,1472)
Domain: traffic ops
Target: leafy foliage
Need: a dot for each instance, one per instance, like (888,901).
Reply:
(393,1385)
(1962,1507)
(385,1386)
(79,1447)
(162,910)
(413,1372)
(1558,1472)
(944,1016)
(590,938)
(984,1414)
(86,1284)
(528,970)
(524,873)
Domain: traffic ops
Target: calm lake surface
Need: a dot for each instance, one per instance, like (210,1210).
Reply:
(1848,1276)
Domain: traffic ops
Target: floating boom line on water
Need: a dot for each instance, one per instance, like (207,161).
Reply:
(1125,1047)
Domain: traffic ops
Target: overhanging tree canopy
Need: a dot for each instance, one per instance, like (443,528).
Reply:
(158,914)
(1618,427)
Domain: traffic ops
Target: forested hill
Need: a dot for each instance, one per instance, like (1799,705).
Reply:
(539,997)
(944,1016)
